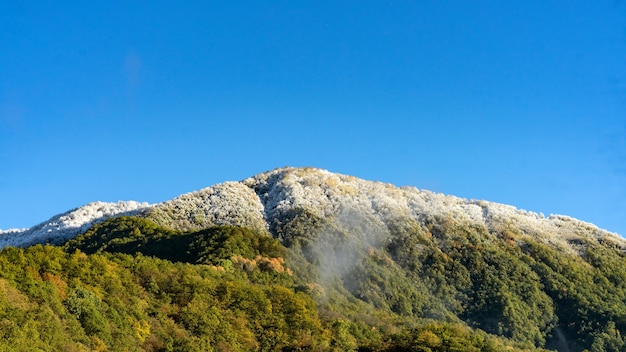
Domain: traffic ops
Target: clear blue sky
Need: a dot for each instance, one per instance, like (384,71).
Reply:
(518,102)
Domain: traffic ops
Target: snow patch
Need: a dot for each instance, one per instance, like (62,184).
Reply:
(70,224)
(229,203)
(2,232)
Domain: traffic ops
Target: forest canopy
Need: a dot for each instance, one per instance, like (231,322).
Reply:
(130,284)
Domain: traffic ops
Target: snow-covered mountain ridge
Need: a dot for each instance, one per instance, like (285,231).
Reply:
(270,198)
(67,225)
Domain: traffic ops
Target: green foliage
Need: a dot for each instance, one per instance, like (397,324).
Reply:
(128,284)
(444,337)
(529,292)
(133,235)
(87,307)
(588,293)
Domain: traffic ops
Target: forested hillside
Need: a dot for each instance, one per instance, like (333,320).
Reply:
(129,284)
(306,260)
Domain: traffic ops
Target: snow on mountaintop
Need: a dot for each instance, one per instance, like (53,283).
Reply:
(12,230)
(325,194)
(228,203)
(267,200)
(69,224)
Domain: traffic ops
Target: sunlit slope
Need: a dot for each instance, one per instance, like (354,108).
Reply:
(272,199)
(269,200)
(365,265)
(530,294)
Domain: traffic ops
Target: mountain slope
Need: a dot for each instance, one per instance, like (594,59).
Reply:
(67,225)
(373,257)
(282,193)
(269,199)
(52,299)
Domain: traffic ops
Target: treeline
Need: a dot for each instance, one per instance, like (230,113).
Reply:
(130,285)
(238,295)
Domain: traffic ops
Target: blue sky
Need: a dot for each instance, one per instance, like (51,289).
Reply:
(522,103)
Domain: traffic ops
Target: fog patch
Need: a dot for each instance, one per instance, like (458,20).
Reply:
(341,246)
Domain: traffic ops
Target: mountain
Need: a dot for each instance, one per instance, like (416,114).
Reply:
(269,199)
(306,259)
(67,225)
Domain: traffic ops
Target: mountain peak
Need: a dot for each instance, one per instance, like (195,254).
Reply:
(269,199)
